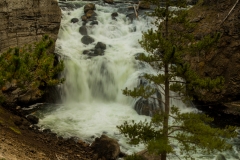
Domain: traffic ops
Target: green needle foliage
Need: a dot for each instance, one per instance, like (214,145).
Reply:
(31,66)
(169,46)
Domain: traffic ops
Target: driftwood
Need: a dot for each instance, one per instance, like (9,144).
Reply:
(230,12)
(135,10)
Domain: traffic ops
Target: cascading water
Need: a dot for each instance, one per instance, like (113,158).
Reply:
(93,103)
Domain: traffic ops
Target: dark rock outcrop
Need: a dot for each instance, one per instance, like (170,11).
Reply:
(24,22)
(106,148)
(224,59)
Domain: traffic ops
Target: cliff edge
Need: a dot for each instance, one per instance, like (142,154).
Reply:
(25,21)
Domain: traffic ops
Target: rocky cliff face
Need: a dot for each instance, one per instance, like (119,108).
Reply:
(224,60)
(25,21)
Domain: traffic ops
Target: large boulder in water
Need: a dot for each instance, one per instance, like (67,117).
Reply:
(88,7)
(106,148)
(83,30)
(87,40)
(149,106)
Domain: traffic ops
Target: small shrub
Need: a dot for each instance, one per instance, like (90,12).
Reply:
(30,66)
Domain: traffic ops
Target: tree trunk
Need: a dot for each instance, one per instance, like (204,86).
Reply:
(166,113)
(167,107)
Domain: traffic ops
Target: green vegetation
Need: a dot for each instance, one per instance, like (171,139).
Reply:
(169,46)
(30,67)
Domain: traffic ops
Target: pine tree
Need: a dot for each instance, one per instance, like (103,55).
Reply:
(31,66)
(168,46)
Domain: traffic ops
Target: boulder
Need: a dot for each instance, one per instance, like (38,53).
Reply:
(94,23)
(98,52)
(89,6)
(90,13)
(74,20)
(148,106)
(100,45)
(87,40)
(144,5)
(84,18)
(131,16)
(83,30)
(106,148)
(32,119)
(114,15)
(108,1)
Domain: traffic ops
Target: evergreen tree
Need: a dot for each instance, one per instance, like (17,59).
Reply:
(31,66)
(168,46)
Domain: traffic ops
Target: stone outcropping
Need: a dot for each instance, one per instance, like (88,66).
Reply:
(25,21)
(224,60)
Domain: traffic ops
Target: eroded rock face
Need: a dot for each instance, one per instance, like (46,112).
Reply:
(224,60)
(25,21)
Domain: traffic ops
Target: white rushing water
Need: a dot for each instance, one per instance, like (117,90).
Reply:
(93,103)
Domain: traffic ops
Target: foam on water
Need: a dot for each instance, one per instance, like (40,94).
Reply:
(93,103)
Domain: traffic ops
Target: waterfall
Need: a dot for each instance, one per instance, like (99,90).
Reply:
(92,99)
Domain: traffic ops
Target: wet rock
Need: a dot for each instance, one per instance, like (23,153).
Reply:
(220,157)
(83,30)
(149,106)
(89,6)
(84,18)
(101,45)
(131,16)
(74,20)
(91,13)
(144,5)
(106,148)
(87,40)
(114,15)
(98,52)
(108,1)
(32,119)
(94,23)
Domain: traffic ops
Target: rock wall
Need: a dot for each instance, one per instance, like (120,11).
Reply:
(224,60)
(25,21)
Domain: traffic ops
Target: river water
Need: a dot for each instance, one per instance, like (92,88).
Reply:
(92,101)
